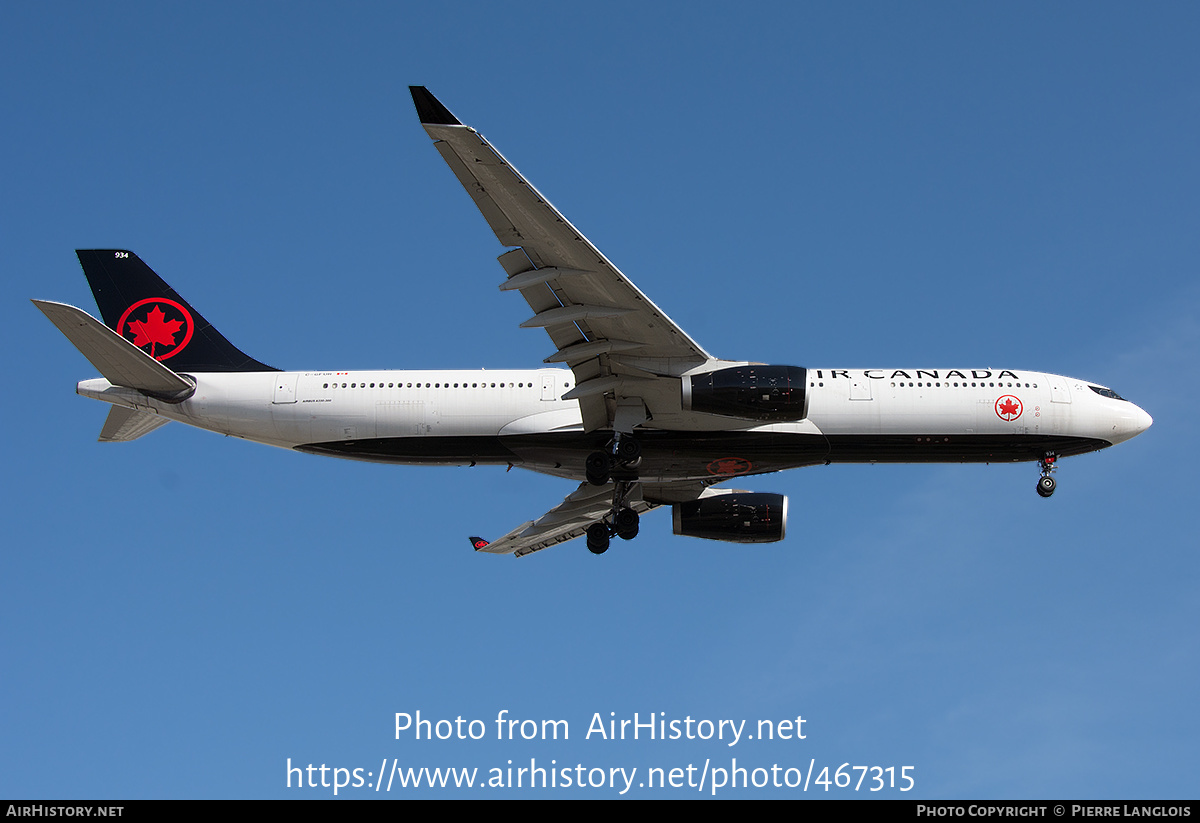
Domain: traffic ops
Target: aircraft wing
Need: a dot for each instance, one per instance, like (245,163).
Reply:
(611,335)
(586,505)
(589,504)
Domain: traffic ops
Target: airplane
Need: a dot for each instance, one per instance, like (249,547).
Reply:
(641,417)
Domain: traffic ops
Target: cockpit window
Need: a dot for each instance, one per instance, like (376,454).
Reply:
(1105,392)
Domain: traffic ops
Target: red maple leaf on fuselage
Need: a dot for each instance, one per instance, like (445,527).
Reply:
(154,329)
(1008,407)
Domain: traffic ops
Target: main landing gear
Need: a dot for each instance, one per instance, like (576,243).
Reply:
(1046,485)
(622,521)
(621,460)
(619,463)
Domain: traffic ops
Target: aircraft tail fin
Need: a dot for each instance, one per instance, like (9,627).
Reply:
(140,307)
(121,362)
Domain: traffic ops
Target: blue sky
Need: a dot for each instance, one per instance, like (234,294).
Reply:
(832,186)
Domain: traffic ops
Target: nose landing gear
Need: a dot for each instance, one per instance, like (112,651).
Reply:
(1046,485)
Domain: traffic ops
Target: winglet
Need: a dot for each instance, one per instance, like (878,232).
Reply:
(430,109)
(478,543)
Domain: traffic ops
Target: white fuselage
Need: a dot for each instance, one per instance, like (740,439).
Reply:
(518,417)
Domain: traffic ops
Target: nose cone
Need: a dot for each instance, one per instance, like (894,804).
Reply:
(1142,422)
(1130,423)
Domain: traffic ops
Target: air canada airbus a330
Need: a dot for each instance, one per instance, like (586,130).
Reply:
(641,417)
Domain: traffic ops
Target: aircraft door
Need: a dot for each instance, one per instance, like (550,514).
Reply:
(400,419)
(548,386)
(1059,391)
(285,387)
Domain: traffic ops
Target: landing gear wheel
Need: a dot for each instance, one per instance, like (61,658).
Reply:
(598,468)
(597,538)
(628,450)
(1046,485)
(626,524)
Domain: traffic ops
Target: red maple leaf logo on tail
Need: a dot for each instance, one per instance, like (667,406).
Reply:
(165,338)
(154,330)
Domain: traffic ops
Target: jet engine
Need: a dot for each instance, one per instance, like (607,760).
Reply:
(756,392)
(735,517)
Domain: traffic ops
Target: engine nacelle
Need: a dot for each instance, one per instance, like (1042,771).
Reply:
(736,517)
(767,393)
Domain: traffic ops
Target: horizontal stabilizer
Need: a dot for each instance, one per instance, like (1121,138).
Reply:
(121,362)
(123,425)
